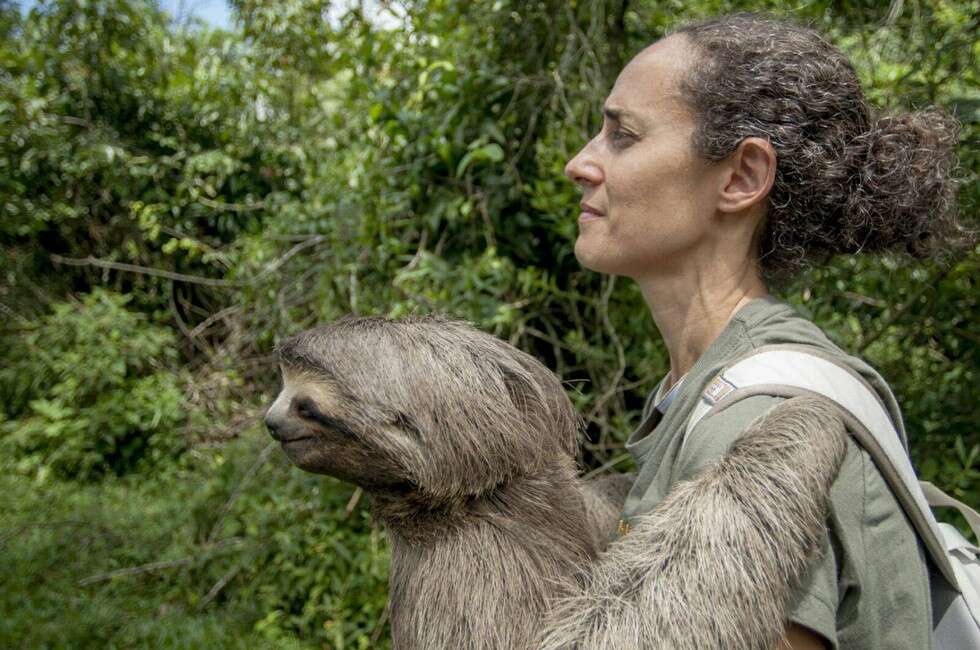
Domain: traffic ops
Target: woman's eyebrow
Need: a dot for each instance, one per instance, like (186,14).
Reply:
(619,114)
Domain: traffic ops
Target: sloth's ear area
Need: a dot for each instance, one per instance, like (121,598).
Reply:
(538,395)
(407,425)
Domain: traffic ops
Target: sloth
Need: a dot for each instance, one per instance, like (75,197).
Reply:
(468,448)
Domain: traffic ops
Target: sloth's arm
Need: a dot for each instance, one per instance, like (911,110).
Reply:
(716,563)
(604,497)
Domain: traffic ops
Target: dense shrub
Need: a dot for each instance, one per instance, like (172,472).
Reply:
(313,565)
(229,547)
(89,390)
(239,186)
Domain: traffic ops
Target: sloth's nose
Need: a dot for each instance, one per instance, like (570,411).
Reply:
(273,425)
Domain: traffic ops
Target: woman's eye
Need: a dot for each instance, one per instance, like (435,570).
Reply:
(618,135)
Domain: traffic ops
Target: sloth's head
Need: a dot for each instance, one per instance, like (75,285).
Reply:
(423,404)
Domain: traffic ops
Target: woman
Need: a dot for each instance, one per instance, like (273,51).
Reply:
(732,152)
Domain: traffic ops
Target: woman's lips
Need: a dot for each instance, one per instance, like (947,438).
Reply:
(588,215)
(588,212)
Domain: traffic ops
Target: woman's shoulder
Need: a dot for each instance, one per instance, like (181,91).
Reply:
(865,517)
(770,321)
(775,322)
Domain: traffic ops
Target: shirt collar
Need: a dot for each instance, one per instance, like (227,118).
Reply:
(663,401)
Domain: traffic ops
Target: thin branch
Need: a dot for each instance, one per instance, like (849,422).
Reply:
(894,11)
(183,277)
(259,462)
(160,566)
(143,270)
(278,262)
(14,532)
(75,121)
(548,338)
(219,585)
(423,240)
(353,501)
(136,570)
(210,320)
(901,309)
(603,309)
(182,326)
(10,312)
(865,300)
(379,628)
(291,237)
(231,207)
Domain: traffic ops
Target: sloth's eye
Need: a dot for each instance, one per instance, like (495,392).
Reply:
(305,409)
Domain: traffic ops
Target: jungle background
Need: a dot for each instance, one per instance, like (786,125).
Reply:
(177,198)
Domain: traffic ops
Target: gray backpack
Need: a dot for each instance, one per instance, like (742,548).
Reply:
(792,370)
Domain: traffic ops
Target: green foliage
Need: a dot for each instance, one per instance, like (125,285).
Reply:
(232,548)
(327,569)
(924,342)
(87,391)
(182,198)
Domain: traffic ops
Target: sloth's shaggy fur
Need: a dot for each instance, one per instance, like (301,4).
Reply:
(467,446)
(485,583)
(714,565)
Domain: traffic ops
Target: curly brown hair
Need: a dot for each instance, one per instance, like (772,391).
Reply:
(845,181)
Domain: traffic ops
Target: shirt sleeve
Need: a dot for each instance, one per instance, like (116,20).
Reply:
(815,601)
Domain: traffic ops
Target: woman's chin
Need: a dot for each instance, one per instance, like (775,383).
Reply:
(595,258)
(586,256)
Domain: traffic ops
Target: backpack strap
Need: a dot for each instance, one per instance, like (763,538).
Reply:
(939,499)
(794,370)
(966,563)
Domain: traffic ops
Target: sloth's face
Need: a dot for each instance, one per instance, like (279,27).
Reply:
(320,432)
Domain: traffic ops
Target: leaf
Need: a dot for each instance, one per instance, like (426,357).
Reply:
(492,152)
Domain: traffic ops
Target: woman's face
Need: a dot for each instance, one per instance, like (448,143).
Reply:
(654,196)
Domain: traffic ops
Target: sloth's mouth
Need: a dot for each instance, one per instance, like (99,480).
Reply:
(291,440)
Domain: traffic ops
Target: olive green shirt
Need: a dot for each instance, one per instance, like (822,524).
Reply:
(868,588)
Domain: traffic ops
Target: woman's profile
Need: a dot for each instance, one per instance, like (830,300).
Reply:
(733,153)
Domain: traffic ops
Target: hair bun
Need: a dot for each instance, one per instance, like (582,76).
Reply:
(904,198)
(844,182)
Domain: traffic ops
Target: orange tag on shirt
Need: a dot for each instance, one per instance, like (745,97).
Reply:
(717,389)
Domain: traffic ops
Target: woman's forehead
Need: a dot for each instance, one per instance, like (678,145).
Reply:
(648,85)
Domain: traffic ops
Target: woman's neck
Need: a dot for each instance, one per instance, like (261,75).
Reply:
(690,312)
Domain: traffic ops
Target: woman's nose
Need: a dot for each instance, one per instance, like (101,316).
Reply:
(583,169)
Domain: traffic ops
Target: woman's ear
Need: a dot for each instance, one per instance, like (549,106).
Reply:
(751,170)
